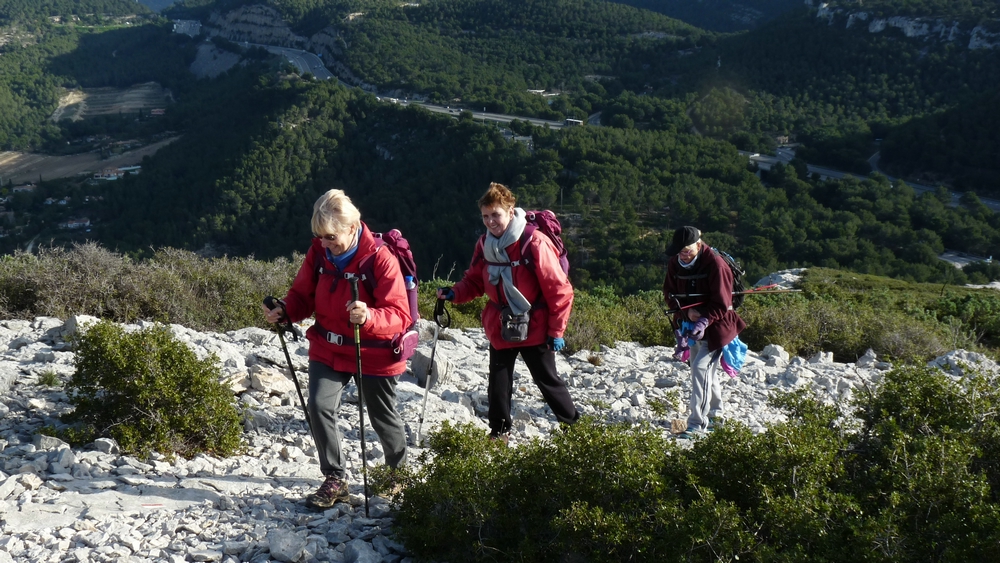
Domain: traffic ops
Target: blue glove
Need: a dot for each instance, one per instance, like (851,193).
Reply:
(698,332)
(556,344)
(446,293)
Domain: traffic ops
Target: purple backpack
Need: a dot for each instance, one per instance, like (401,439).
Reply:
(546,222)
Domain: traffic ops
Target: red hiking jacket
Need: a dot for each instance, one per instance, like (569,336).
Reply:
(544,285)
(328,294)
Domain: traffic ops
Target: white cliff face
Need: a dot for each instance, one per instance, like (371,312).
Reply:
(825,12)
(254,24)
(858,16)
(913,27)
(982,39)
(264,25)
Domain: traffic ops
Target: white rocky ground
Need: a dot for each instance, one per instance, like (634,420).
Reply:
(93,504)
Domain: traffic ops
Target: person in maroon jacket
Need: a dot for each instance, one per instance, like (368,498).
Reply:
(528,308)
(322,288)
(694,268)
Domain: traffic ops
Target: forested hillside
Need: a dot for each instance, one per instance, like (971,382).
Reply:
(32,10)
(245,181)
(720,15)
(489,53)
(832,89)
(34,75)
(836,91)
(260,143)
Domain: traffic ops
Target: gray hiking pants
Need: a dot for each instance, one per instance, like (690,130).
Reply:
(706,388)
(325,389)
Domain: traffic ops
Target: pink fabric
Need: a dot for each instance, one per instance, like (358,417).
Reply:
(728,369)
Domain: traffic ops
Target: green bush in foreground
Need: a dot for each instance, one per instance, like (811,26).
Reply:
(914,478)
(149,392)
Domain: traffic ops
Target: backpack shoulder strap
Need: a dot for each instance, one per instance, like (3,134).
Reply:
(319,261)
(522,246)
(477,254)
(366,267)
(522,243)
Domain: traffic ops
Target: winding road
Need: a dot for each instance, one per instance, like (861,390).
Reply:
(309,62)
(765,162)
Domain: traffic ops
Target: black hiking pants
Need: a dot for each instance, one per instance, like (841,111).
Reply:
(541,364)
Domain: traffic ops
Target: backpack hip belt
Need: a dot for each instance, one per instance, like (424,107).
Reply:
(348,340)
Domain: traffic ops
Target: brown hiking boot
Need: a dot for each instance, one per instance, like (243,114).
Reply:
(394,486)
(504,438)
(332,491)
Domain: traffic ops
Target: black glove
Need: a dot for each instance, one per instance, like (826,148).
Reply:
(446,293)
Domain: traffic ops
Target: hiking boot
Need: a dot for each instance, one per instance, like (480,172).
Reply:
(504,438)
(713,423)
(332,491)
(690,434)
(395,485)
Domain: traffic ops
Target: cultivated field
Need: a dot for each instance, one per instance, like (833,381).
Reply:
(79,104)
(21,167)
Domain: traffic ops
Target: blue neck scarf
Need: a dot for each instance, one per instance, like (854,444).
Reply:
(344,259)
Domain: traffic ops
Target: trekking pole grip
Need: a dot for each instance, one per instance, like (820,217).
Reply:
(271,303)
(441,315)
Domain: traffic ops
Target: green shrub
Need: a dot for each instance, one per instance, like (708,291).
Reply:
(839,312)
(913,479)
(834,316)
(48,378)
(150,392)
(174,286)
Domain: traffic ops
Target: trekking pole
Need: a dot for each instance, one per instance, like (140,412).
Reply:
(361,394)
(442,320)
(271,303)
(747,292)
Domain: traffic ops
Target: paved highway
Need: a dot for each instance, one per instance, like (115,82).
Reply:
(309,62)
(303,60)
(479,115)
(766,162)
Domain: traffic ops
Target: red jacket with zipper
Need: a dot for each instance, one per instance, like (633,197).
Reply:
(544,285)
(328,294)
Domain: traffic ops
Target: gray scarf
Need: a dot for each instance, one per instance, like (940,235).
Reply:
(495,250)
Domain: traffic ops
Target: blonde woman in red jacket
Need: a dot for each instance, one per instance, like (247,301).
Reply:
(322,288)
(528,307)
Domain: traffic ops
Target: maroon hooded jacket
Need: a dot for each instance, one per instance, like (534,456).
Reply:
(711,277)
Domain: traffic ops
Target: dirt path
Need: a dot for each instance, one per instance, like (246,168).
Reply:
(21,167)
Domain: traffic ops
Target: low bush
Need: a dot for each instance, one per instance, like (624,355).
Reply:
(839,312)
(912,479)
(149,392)
(174,286)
